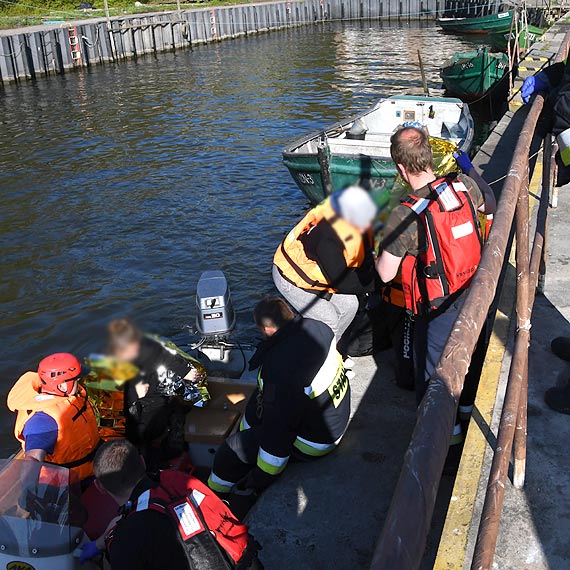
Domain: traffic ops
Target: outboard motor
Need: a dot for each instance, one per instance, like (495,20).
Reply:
(215,322)
(216,317)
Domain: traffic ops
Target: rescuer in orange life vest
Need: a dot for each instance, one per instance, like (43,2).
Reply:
(326,260)
(434,236)
(55,421)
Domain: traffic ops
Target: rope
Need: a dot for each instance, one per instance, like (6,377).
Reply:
(89,43)
(14,54)
(506,175)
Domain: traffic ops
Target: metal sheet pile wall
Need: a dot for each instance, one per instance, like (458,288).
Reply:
(43,50)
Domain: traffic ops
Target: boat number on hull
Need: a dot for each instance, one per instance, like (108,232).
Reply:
(305,179)
(19,566)
(467,65)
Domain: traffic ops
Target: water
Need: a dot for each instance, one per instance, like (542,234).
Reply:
(121,184)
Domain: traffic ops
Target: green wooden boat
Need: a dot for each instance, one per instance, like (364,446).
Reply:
(471,75)
(500,22)
(527,37)
(357,150)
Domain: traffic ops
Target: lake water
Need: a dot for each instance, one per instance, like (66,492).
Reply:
(121,184)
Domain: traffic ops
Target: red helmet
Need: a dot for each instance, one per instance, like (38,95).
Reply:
(57,369)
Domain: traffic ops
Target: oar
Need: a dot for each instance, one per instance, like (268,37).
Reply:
(422,70)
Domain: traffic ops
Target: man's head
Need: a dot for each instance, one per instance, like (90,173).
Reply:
(411,151)
(118,468)
(270,314)
(356,206)
(124,340)
(59,374)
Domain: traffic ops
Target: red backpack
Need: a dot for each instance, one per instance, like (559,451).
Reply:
(454,244)
(211,535)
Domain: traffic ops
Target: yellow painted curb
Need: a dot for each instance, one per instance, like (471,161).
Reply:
(453,543)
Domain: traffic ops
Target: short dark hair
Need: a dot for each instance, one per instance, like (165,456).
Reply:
(411,148)
(121,333)
(273,311)
(118,466)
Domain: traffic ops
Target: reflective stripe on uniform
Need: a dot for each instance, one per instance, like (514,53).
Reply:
(314,449)
(269,463)
(457,436)
(327,375)
(218,485)
(563,140)
(244,425)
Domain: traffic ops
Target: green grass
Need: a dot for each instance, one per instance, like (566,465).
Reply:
(34,12)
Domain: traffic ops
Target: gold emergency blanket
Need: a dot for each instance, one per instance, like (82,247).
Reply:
(105,387)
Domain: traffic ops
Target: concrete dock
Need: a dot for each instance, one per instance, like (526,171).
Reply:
(328,514)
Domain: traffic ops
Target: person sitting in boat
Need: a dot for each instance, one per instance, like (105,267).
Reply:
(55,421)
(326,260)
(555,80)
(153,407)
(300,409)
(176,523)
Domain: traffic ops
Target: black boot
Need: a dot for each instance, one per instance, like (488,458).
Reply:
(558,398)
(560,346)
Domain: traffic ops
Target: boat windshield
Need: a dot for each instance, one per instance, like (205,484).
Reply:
(40,509)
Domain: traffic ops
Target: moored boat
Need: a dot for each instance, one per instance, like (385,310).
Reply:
(473,74)
(527,37)
(500,22)
(357,150)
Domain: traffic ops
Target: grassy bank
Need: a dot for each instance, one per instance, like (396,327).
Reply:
(14,14)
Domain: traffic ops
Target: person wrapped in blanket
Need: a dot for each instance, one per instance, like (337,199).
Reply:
(169,382)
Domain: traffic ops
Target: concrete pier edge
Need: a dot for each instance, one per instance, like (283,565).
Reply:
(463,515)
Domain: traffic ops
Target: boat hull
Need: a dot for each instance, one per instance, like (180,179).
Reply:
(472,75)
(499,40)
(500,22)
(376,174)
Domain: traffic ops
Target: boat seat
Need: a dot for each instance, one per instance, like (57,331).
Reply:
(380,148)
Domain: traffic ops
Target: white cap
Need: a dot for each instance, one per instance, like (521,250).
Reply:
(357,207)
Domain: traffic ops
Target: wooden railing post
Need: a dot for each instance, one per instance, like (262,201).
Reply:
(523,326)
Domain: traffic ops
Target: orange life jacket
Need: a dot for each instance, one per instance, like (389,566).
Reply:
(78,434)
(393,292)
(305,273)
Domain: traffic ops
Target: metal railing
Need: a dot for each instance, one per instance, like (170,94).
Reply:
(402,541)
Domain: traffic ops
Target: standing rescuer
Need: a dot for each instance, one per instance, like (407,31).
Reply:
(326,260)
(301,407)
(55,421)
(434,236)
